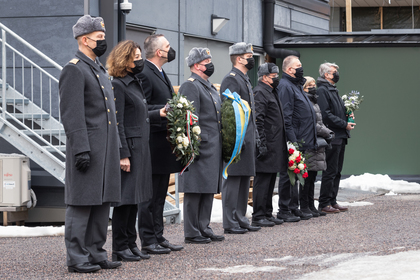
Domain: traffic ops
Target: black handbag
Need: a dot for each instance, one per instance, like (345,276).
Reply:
(321,142)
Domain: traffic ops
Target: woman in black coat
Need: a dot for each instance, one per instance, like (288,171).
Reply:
(315,158)
(134,119)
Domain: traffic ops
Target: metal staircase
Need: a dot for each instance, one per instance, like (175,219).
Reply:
(29,106)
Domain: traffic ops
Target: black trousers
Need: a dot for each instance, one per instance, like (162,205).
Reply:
(150,214)
(197,214)
(288,194)
(262,194)
(306,193)
(124,233)
(331,177)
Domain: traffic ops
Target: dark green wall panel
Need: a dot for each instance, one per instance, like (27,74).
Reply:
(386,139)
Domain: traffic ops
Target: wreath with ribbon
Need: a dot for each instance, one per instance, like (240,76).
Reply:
(183,130)
(235,117)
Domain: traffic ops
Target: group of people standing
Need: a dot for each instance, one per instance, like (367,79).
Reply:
(118,154)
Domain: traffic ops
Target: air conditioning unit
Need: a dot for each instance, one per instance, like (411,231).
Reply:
(15,180)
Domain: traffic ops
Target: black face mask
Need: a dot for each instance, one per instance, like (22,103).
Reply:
(250,64)
(139,65)
(209,69)
(275,82)
(312,90)
(336,77)
(299,73)
(171,54)
(100,48)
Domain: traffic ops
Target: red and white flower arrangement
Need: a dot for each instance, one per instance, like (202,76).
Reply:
(296,166)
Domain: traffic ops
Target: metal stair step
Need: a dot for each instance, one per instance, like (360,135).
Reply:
(54,132)
(31,116)
(60,148)
(11,101)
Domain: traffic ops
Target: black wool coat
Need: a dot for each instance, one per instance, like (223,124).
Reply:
(270,127)
(134,121)
(332,108)
(87,108)
(204,175)
(238,82)
(158,90)
(299,115)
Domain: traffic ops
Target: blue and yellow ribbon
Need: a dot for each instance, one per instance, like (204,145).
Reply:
(242,113)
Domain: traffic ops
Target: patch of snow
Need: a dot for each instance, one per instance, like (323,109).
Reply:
(391,193)
(245,269)
(356,203)
(22,231)
(378,182)
(320,260)
(398,266)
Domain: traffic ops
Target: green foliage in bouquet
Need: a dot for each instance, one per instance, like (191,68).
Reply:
(228,131)
(177,117)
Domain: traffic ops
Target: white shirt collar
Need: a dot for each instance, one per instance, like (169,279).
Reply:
(160,70)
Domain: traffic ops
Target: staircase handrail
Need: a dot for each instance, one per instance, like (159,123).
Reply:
(23,41)
(31,62)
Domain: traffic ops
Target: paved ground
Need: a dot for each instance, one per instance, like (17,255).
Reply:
(287,251)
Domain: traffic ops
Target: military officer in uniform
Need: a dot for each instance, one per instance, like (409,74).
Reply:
(271,145)
(204,177)
(92,150)
(235,189)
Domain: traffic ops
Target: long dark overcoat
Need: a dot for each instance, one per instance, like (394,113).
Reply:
(238,82)
(204,175)
(270,127)
(299,115)
(134,121)
(88,114)
(158,90)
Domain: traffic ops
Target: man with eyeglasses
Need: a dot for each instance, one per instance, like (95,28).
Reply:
(271,145)
(235,189)
(300,124)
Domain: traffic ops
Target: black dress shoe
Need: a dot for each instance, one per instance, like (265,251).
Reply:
(105,264)
(287,217)
(237,230)
(84,268)
(262,223)
(124,255)
(308,211)
(275,220)
(136,251)
(173,247)
(301,215)
(215,237)
(197,240)
(320,213)
(155,249)
(251,228)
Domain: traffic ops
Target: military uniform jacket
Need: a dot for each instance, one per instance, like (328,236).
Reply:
(87,108)
(238,82)
(270,127)
(134,121)
(204,175)
(158,90)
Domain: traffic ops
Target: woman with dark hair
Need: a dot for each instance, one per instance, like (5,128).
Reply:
(133,120)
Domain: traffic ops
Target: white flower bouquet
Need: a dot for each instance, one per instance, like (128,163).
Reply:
(352,102)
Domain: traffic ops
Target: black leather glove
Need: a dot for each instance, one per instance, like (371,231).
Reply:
(330,138)
(82,161)
(262,151)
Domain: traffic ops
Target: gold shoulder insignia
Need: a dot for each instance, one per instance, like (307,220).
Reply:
(191,79)
(232,74)
(74,61)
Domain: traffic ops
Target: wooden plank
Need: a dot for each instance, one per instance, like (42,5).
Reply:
(349,25)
